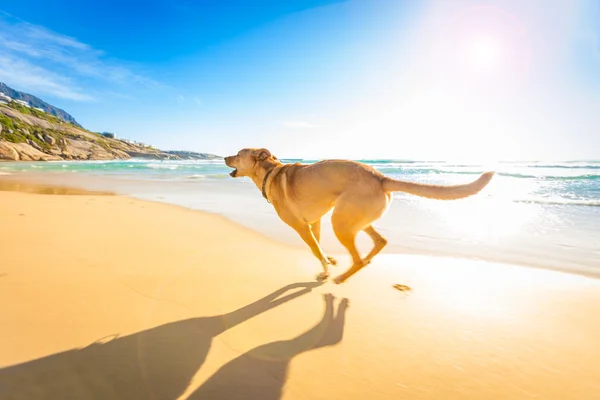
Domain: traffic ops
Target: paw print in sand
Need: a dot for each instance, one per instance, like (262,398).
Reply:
(402,288)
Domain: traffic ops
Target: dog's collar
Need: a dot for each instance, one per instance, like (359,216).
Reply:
(264,193)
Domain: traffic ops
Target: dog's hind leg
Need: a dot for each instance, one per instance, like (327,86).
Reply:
(353,213)
(348,239)
(345,230)
(379,243)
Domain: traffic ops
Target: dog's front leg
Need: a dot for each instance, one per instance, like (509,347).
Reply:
(306,233)
(315,227)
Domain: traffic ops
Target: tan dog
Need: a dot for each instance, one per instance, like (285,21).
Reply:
(302,194)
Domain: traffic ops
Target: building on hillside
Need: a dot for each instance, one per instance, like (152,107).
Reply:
(3,102)
(39,109)
(23,103)
(5,97)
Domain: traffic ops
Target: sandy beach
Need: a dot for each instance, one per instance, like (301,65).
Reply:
(109,297)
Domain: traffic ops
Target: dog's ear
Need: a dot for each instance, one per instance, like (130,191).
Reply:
(262,154)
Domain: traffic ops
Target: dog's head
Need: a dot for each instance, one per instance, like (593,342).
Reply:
(247,161)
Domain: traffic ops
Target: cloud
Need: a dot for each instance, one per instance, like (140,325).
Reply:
(22,74)
(47,36)
(36,59)
(299,124)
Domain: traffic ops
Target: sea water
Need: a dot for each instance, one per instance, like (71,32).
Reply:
(537,213)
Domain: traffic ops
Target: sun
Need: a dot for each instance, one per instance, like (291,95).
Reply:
(484,53)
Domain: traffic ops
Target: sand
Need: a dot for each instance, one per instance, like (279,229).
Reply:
(107,297)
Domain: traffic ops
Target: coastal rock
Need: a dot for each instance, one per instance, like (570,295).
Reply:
(28,153)
(121,155)
(151,156)
(50,140)
(56,151)
(34,145)
(7,152)
(28,119)
(76,150)
(83,150)
(192,155)
(98,153)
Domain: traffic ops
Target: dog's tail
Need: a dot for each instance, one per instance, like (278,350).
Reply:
(438,191)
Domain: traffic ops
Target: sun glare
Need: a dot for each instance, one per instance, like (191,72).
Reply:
(489,41)
(493,215)
(486,220)
(484,53)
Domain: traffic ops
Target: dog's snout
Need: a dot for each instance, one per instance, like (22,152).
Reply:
(228,159)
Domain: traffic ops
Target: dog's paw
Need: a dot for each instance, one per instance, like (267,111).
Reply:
(332,260)
(322,277)
(339,279)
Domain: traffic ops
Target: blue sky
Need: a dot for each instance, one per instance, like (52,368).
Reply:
(434,79)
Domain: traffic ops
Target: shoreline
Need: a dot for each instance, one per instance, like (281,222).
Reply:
(107,296)
(264,221)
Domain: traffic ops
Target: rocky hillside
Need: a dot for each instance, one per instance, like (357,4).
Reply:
(192,155)
(27,134)
(39,103)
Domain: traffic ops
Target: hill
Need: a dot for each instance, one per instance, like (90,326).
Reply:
(28,134)
(38,103)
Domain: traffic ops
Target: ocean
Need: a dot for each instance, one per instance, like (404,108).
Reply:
(544,214)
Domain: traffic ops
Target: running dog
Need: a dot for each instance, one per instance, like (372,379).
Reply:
(359,195)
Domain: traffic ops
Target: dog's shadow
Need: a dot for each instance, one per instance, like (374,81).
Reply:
(261,373)
(154,364)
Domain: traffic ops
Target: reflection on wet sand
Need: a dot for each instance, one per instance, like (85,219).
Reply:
(7,185)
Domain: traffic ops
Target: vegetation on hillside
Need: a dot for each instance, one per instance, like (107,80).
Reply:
(46,137)
(37,113)
(44,132)
(37,102)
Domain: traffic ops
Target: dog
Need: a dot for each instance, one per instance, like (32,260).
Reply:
(358,194)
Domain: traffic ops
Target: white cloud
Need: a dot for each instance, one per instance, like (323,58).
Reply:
(48,36)
(38,60)
(26,76)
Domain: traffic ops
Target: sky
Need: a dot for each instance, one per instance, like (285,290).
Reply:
(464,80)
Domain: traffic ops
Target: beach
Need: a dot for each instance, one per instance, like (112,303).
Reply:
(111,296)
(540,214)
(171,174)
